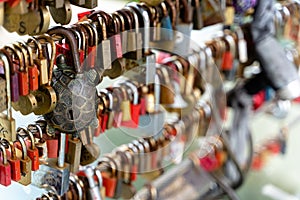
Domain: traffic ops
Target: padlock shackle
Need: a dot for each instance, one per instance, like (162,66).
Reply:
(29,53)
(91,34)
(118,17)
(77,182)
(38,45)
(4,156)
(173,12)
(99,177)
(66,33)
(23,146)
(24,54)
(108,162)
(89,173)
(39,129)
(11,148)
(17,54)
(49,39)
(146,19)
(4,59)
(110,97)
(127,18)
(80,34)
(134,90)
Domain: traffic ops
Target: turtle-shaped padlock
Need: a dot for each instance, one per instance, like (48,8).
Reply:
(75,89)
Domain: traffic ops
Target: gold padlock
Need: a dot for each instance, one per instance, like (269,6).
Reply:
(7,122)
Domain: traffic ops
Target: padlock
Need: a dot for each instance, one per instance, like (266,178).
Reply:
(40,143)
(17,7)
(5,168)
(153,149)
(117,174)
(165,34)
(135,161)
(139,10)
(125,25)
(14,161)
(110,110)
(100,183)
(167,93)
(56,173)
(75,108)
(25,163)
(40,61)
(134,107)
(92,44)
(33,72)
(28,103)
(242,46)
(134,37)
(147,154)
(197,15)
(117,116)
(125,106)
(74,153)
(51,138)
(141,152)
(14,87)
(32,151)
(102,119)
(22,71)
(109,178)
(7,122)
(45,95)
(113,28)
(183,30)
(61,15)
(93,187)
(82,41)
(104,46)
(229,55)
(23,19)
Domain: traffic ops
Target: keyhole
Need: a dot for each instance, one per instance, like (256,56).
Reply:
(71,115)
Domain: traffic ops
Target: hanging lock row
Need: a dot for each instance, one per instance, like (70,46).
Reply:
(29,76)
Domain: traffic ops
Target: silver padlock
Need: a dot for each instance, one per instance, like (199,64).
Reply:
(56,173)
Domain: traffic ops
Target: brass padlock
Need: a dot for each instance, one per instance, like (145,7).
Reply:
(7,122)
(25,163)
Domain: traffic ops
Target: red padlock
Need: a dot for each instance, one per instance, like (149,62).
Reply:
(32,151)
(208,160)
(109,178)
(102,118)
(228,56)
(5,169)
(14,161)
(52,144)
